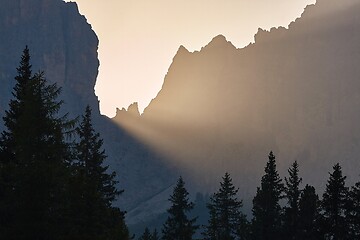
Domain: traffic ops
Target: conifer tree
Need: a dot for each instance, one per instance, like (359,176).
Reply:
(178,226)
(226,219)
(309,215)
(7,140)
(353,211)
(211,230)
(334,206)
(155,235)
(116,226)
(146,235)
(266,223)
(35,155)
(292,194)
(93,188)
(16,106)
(149,236)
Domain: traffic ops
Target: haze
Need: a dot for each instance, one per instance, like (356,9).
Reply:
(138,39)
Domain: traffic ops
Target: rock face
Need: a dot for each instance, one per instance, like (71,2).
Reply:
(295,91)
(61,43)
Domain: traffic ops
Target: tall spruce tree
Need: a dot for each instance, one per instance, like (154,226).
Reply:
(7,144)
(93,188)
(353,212)
(226,221)
(35,155)
(292,195)
(266,223)
(7,140)
(309,215)
(178,226)
(334,204)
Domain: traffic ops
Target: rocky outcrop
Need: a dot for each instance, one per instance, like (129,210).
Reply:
(133,110)
(61,43)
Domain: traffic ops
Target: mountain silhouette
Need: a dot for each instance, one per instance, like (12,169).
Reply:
(295,91)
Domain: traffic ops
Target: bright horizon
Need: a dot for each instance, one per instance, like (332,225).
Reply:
(138,39)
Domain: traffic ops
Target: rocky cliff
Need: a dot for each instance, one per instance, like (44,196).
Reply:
(61,43)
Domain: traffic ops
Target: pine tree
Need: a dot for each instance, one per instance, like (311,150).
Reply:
(226,218)
(334,206)
(353,211)
(146,235)
(116,226)
(7,142)
(266,223)
(16,107)
(155,235)
(35,154)
(93,188)
(177,225)
(292,194)
(211,230)
(309,215)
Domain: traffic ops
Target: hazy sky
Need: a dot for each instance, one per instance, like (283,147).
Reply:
(139,38)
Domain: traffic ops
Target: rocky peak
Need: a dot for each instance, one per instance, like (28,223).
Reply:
(182,50)
(218,42)
(131,111)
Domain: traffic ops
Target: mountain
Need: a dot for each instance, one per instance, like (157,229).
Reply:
(295,91)
(64,46)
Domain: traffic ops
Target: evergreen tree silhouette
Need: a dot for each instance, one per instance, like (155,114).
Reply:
(334,206)
(226,221)
(309,215)
(149,236)
(266,223)
(155,235)
(353,211)
(178,226)
(7,143)
(146,235)
(292,195)
(35,155)
(211,230)
(93,188)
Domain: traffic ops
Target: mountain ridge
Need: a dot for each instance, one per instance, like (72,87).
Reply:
(293,90)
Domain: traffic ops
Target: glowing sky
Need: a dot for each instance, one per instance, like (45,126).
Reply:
(139,38)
